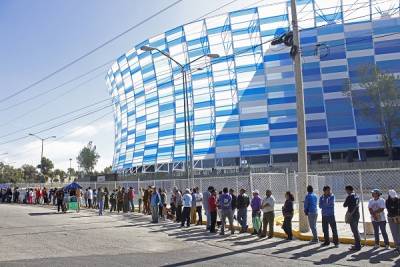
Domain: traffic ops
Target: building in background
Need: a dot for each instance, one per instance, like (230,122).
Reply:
(243,104)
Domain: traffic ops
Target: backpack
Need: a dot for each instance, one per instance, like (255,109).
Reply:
(226,202)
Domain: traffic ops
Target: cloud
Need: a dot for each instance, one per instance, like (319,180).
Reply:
(60,151)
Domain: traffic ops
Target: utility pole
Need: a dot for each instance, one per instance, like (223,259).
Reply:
(41,154)
(70,169)
(301,133)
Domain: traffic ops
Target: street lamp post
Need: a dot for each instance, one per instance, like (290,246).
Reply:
(70,168)
(41,154)
(188,144)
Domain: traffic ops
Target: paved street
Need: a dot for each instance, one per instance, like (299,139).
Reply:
(36,236)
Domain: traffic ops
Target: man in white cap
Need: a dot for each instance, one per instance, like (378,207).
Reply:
(376,208)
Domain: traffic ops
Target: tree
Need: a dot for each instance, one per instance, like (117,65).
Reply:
(59,175)
(107,170)
(9,174)
(379,102)
(88,157)
(30,172)
(72,172)
(46,166)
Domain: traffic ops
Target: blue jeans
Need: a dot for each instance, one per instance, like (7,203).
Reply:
(382,226)
(312,221)
(354,229)
(101,207)
(208,214)
(242,218)
(395,229)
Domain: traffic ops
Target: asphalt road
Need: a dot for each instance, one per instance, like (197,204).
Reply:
(37,236)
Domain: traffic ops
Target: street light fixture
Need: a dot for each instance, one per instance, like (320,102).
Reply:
(189,156)
(41,154)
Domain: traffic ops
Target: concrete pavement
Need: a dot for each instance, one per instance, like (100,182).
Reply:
(38,236)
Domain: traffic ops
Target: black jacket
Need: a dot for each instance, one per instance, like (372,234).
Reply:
(393,207)
(243,201)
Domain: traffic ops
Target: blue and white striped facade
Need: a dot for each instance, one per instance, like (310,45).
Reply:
(243,104)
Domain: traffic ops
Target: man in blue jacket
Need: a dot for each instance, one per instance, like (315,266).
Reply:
(327,206)
(311,211)
(154,203)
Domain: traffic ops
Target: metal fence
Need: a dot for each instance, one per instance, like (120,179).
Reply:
(362,180)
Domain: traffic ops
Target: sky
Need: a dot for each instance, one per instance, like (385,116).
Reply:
(38,37)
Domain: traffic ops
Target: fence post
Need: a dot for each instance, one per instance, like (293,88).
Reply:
(362,205)
(237,185)
(270,182)
(287,178)
(251,183)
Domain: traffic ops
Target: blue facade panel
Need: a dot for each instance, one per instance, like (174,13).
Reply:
(243,104)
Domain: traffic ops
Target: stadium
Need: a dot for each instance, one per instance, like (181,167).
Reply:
(241,89)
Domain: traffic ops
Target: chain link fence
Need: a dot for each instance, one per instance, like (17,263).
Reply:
(363,182)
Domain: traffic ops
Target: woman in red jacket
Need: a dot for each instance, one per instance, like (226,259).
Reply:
(212,205)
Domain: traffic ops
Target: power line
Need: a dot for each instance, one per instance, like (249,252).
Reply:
(56,87)
(167,81)
(63,136)
(54,118)
(89,52)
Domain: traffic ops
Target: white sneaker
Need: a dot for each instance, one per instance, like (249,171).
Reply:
(377,246)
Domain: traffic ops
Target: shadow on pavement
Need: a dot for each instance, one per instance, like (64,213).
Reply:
(44,213)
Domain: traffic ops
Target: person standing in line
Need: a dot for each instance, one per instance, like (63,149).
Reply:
(60,199)
(45,196)
(311,211)
(120,200)
(327,206)
(393,209)
(172,202)
(155,201)
(150,191)
(287,211)
(100,201)
(85,196)
(352,217)
(113,201)
(256,203)
(163,200)
(95,204)
(187,205)
(131,198)
(145,201)
(106,198)
(140,199)
(178,196)
(78,196)
(376,206)
(163,204)
(234,202)
(243,203)
(199,201)
(126,200)
(268,205)
(193,208)
(212,209)
(90,198)
(206,196)
(225,202)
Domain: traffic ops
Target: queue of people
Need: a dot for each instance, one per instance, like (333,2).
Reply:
(186,208)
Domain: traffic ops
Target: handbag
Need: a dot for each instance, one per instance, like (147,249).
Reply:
(349,215)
